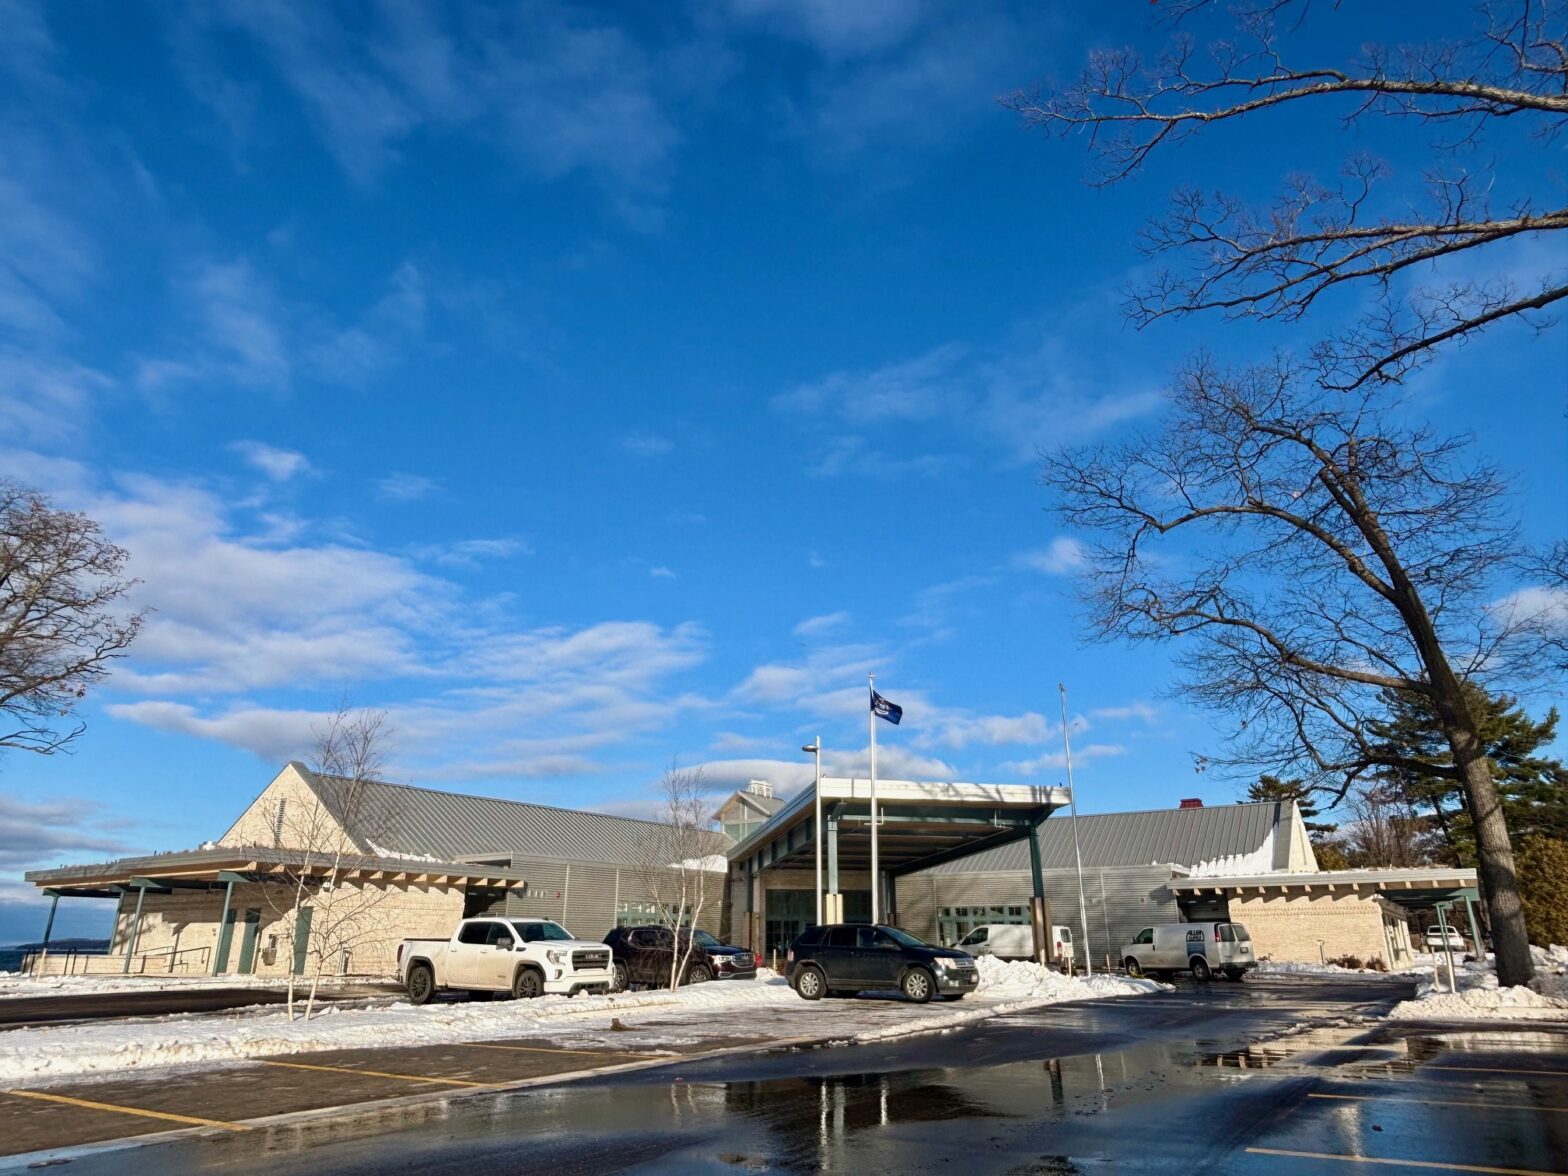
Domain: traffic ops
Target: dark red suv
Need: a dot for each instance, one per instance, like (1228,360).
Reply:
(643,956)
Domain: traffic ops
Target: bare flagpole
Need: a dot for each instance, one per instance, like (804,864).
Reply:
(876,880)
(1083,906)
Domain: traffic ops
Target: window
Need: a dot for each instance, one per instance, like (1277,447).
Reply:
(500,935)
(810,937)
(543,930)
(841,937)
(869,937)
(475,933)
(901,937)
(277,820)
(704,939)
(1144,936)
(977,936)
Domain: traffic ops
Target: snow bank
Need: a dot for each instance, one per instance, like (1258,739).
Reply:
(1293,968)
(44,1053)
(1023,979)
(1480,999)
(15,984)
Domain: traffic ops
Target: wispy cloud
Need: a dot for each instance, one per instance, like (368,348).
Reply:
(817,626)
(406,487)
(1061,557)
(281,465)
(1057,760)
(646,444)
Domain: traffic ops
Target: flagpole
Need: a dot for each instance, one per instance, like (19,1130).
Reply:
(1083,907)
(876,879)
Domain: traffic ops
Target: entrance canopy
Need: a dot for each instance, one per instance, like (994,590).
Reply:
(920,823)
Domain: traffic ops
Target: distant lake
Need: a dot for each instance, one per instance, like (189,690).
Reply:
(11,957)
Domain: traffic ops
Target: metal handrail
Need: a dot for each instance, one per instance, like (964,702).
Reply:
(33,960)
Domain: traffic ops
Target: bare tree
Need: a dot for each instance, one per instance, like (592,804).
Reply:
(60,583)
(1315,237)
(1383,831)
(337,833)
(674,861)
(1313,552)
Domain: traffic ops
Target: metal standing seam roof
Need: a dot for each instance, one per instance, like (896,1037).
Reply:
(1181,836)
(451,825)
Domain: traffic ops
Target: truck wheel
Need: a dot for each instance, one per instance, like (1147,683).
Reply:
(698,974)
(918,985)
(1201,969)
(620,978)
(421,984)
(1134,968)
(527,984)
(810,984)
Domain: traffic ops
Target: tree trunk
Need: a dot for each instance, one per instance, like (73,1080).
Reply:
(1494,862)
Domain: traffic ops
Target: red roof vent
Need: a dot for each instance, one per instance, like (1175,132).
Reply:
(1191,802)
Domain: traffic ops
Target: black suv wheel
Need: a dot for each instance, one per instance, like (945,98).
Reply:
(810,984)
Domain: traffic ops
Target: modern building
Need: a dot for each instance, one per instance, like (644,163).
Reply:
(1251,863)
(321,871)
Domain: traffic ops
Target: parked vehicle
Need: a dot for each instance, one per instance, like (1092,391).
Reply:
(644,955)
(841,959)
(517,957)
(1015,941)
(1455,941)
(1201,948)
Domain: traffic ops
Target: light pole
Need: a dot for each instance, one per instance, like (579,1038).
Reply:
(1083,906)
(815,748)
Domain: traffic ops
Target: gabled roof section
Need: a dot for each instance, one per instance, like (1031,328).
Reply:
(760,806)
(427,822)
(1179,836)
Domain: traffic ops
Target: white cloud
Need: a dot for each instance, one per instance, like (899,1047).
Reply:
(1061,557)
(1057,760)
(817,626)
(1142,711)
(1014,400)
(278,464)
(660,572)
(834,28)
(959,729)
(404,487)
(470,553)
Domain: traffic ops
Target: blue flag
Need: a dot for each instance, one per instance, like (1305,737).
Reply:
(883,709)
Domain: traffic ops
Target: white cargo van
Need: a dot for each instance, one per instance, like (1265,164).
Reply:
(1201,948)
(1015,941)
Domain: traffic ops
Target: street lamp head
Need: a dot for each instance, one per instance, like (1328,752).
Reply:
(813,747)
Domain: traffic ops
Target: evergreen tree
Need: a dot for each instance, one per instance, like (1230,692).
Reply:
(1533,788)
(1544,876)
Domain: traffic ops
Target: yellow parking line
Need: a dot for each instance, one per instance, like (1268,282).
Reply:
(1439,1102)
(103,1106)
(601,1053)
(1311,1155)
(375,1073)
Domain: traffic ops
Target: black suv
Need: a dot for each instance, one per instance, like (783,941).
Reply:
(642,955)
(842,959)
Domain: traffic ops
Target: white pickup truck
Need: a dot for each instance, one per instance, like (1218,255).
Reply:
(519,957)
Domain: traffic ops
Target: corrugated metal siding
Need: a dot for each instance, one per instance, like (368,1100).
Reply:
(1119,902)
(450,825)
(1183,836)
(590,913)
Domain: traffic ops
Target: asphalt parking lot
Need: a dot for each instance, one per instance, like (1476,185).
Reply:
(1285,1078)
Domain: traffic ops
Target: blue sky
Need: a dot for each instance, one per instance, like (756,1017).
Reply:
(591,387)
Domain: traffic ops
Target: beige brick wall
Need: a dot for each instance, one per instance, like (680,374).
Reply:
(1289,927)
(306,823)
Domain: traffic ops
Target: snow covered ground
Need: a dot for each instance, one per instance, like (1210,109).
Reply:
(14,984)
(1292,968)
(1480,999)
(734,1008)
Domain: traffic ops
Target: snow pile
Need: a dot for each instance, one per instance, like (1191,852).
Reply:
(1026,980)
(1480,999)
(15,984)
(1295,968)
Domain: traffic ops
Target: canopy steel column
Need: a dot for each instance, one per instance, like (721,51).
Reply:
(54,903)
(136,927)
(220,957)
(1475,928)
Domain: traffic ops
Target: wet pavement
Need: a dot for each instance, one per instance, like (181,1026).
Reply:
(1285,1077)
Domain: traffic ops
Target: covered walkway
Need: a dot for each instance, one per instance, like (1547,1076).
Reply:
(774,872)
